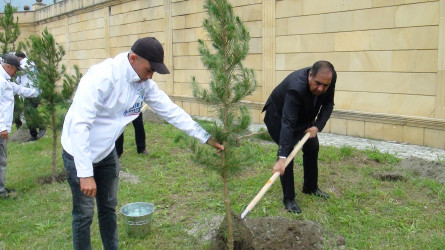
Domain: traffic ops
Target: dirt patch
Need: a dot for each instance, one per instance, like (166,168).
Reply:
(128,177)
(21,135)
(271,233)
(390,176)
(60,177)
(149,115)
(423,168)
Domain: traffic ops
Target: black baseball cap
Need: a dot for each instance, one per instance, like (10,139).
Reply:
(12,60)
(151,49)
(20,54)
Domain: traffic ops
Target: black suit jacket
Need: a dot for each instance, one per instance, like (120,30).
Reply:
(291,109)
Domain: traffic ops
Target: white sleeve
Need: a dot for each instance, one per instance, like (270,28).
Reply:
(173,114)
(2,110)
(23,91)
(88,100)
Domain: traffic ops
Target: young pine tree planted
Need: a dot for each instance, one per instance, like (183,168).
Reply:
(230,83)
(47,56)
(11,30)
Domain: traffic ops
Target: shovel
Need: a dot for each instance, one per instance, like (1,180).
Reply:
(272,179)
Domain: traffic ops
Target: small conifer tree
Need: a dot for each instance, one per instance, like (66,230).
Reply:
(230,83)
(47,56)
(11,30)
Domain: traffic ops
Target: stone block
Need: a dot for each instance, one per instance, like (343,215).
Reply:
(201,76)
(254,61)
(282,27)
(248,13)
(355,128)
(374,130)
(178,22)
(186,107)
(327,127)
(188,62)
(413,135)
(393,132)
(186,49)
(387,82)
(306,25)
(255,46)
(359,19)
(338,126)
(434,138)
(195,20)
(203,110)
(254,28)
(310,7)
(255,116)
(288,8)
(382,3)
(411,105)
(187,7)
(421,14)
(194,108)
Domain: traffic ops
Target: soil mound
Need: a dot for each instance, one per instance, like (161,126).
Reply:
(274,233)
(424,168)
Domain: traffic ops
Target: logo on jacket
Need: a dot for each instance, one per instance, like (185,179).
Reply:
(136,108)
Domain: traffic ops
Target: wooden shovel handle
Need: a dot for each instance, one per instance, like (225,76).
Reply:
(274,177)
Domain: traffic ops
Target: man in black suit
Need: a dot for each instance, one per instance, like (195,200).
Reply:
(302,102)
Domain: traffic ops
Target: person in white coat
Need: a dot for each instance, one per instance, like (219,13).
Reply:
(109,96)
(33,119)
(8,69)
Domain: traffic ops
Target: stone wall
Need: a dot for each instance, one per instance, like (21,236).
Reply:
(389,54)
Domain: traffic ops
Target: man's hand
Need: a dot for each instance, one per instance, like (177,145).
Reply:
(313,130)
(279,166)
(212,142)
(88,186)
(4,134)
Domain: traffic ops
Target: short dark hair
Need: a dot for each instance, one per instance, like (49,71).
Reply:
(20,54)
(322,64)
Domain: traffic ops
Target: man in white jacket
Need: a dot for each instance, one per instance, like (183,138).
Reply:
(109,96)
(32,116)
(8,69)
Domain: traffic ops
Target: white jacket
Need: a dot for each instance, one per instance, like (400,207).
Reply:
(7,91)
(25,80)
(109,97)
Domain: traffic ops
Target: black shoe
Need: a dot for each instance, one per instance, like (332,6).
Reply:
(291,206)
(318,193)
(41,134)
(144,153)
(7,193)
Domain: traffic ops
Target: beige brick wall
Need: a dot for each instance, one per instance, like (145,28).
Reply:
(389,55)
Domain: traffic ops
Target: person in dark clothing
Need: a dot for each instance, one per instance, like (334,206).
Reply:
(301,103)
(139,134)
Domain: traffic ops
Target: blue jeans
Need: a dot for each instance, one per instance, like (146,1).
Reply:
(106,175)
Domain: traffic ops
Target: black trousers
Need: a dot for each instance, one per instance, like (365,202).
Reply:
(310,161)
(139,134)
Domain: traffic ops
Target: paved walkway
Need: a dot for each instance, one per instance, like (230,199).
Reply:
(401,150)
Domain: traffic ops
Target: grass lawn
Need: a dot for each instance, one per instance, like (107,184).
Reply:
(368,212)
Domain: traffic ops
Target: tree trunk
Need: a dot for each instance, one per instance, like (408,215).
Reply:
(230,239)
(54,129)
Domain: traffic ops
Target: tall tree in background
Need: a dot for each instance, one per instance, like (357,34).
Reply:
(47,56)
(230,83)
(11,30)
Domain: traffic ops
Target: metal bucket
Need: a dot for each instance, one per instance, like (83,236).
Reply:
(137,217)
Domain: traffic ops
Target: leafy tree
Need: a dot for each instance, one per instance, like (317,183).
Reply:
(47,55)
(11,30)
(230,83)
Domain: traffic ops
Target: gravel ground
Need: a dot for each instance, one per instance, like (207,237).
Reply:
(401,150)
